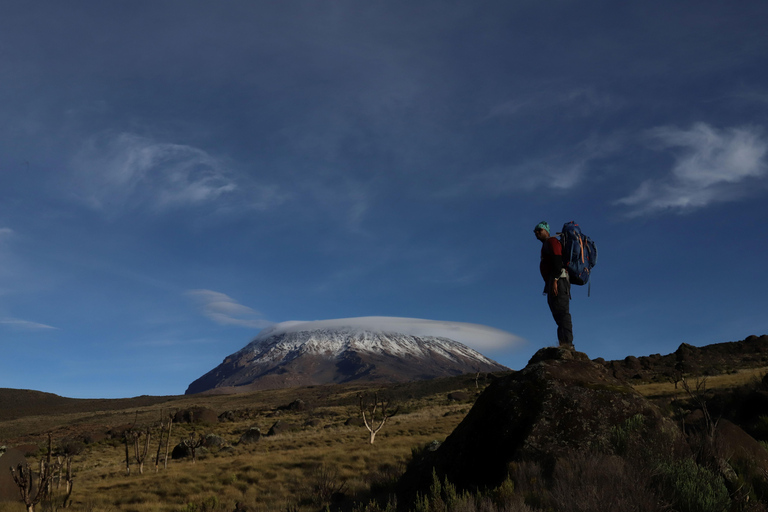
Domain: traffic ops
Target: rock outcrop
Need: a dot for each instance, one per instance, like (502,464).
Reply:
(566,415)
(714,359)
(560,401)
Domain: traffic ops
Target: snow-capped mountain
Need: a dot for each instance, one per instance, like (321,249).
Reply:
(354,349)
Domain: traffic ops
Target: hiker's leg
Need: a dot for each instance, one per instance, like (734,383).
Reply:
(559,305)
(565,325)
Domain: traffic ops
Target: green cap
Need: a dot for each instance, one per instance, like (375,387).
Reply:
(542,225)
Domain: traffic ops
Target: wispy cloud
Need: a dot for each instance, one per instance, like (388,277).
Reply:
(224,310)
(560,170)
(24,325)
(711,166)
(127,171)
(579,102)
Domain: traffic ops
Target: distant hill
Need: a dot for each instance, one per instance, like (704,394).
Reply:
(348,350)
(19,403)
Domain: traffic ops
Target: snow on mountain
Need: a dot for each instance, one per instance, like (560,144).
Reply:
(343,350)
(478,336)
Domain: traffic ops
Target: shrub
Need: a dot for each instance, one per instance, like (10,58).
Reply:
(592,481)
(692,488)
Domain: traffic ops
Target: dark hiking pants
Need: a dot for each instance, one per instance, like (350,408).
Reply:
(560,306)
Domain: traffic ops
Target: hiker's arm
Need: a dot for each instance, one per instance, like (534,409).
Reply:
(555,256)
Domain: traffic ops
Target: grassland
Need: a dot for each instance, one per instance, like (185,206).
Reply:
(297,470)
(724,381)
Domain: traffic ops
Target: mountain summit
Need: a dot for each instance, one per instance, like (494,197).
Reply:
(368,349)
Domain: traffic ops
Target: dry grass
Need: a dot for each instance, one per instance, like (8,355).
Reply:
(297,469)
(728,380)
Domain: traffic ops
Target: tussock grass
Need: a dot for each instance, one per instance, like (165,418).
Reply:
(299,469)
(729,380)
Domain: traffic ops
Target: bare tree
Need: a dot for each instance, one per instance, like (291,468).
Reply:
(126,436)
(168,441)
(69,481)
(165,437)
(368,410)
(193,444)
(139,452)
(24,478)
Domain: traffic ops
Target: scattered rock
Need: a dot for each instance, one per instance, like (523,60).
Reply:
(214,441)
(632,363)
(296,405)
(459,396)
(252,435)
(354,421)
(119,431)
(228,416)
(197,416)
(280,427)
(239,507)
(181,451)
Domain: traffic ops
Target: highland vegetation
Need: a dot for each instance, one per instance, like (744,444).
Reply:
(680,432)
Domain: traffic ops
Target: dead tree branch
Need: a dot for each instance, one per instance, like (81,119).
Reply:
(31,491)
(139,452)
(193,444)
(368,410)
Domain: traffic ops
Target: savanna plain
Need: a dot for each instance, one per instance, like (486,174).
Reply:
(320,455)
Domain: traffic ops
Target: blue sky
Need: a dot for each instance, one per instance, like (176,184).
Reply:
(177,175)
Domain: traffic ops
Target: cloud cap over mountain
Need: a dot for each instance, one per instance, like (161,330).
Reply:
(476,336)
(367,349)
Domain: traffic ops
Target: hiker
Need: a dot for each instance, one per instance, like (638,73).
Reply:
(557,286)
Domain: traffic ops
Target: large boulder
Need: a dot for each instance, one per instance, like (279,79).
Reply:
(196,415)
(560,403)
(252,435)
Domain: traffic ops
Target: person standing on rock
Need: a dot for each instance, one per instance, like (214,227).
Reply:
(557,287)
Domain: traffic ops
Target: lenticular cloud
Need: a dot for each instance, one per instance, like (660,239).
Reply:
(478,337)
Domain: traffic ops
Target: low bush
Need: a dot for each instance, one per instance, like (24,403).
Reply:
(691,487)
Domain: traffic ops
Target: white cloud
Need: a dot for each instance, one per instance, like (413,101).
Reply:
(26,325)
(563,169)
(126,171)
(224,310)
(711,166)
(549,172)
(478,337)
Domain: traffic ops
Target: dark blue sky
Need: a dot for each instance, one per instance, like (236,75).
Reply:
(177,175)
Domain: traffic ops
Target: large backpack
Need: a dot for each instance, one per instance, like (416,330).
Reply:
(579,253)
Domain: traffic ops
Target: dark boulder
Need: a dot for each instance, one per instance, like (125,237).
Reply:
(459,396)
(197,416)
(214,441)
(280,427)
(560,403)
(252,435)
(296,405)
(354,421)
(181,451)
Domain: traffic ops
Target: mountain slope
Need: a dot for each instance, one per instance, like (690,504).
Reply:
(308,353)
